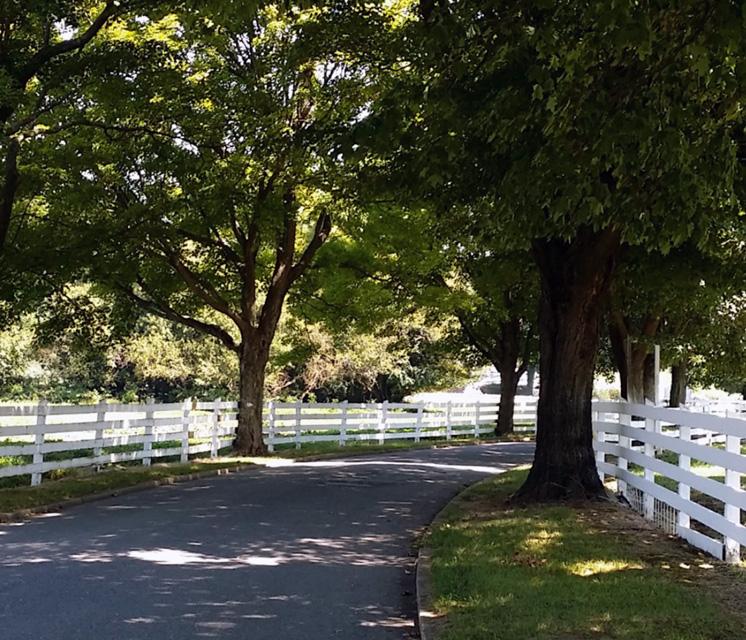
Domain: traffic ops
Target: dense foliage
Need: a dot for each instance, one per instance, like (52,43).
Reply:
(424,185)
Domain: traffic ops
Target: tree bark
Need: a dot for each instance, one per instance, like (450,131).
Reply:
(632,356)
(575,279)
(8,190)
(636,376)
(252,362)
(508,387)
(677,397)
(509,350)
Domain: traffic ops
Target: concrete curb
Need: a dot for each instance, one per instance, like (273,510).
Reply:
(428,621)
(25,514)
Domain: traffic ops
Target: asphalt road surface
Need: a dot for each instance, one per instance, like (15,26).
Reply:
(306,551)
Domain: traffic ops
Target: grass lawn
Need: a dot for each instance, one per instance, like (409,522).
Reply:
(112,478)
(574,572)
(76,483)
(372,446)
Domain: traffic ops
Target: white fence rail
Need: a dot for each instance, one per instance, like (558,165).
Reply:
(680,468)
(37,439)
(652,452)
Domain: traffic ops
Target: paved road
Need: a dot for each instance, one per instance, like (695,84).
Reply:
(309,551)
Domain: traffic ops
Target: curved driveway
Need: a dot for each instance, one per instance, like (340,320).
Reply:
(306,551)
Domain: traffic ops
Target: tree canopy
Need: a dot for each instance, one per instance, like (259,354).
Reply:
(498,181)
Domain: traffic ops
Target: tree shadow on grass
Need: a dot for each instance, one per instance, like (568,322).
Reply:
(568,572)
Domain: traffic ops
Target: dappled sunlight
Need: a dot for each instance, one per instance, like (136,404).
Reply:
(341,464)
(179,557)
(92,557)
(568,572)
(539,541)
(594,567)
(236,552)
(139,621)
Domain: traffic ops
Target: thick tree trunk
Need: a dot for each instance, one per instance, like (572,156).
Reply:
(632,356)
(508,387)
(252,364)
(636,375)
(8,188)
(677,397)
(507,364)
(575,279)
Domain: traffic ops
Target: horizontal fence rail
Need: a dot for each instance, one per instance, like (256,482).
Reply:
(42,438)
(680,469)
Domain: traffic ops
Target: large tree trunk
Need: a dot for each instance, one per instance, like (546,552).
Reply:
(252,364)
(632,356)
(575,279)
(677,397)
(636,374)
(508,387)
(8,188)
(510,373)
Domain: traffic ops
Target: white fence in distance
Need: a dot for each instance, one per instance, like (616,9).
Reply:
(649,450)
(37,439)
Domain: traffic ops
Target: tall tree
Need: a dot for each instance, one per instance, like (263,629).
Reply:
(212,186)
(497,312)
(585,127)
(401,259)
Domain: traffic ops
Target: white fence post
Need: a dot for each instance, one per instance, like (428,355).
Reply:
(185,412)
(732,512)
(271,422)
(476,419)
(418,423)
(449,426)
(214,426)
(649,450)
(343,425)
(600,438)
(41,420)
(625,419)
(383,416)
(147,445)
(297,424)
(98,448)
(685,461)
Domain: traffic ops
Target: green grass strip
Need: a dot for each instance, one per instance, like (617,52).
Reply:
(561,572)
(110,479)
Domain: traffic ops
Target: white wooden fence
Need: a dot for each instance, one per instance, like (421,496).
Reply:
(649,450)
(37,439)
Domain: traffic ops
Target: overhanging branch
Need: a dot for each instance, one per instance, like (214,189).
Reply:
(164,311)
